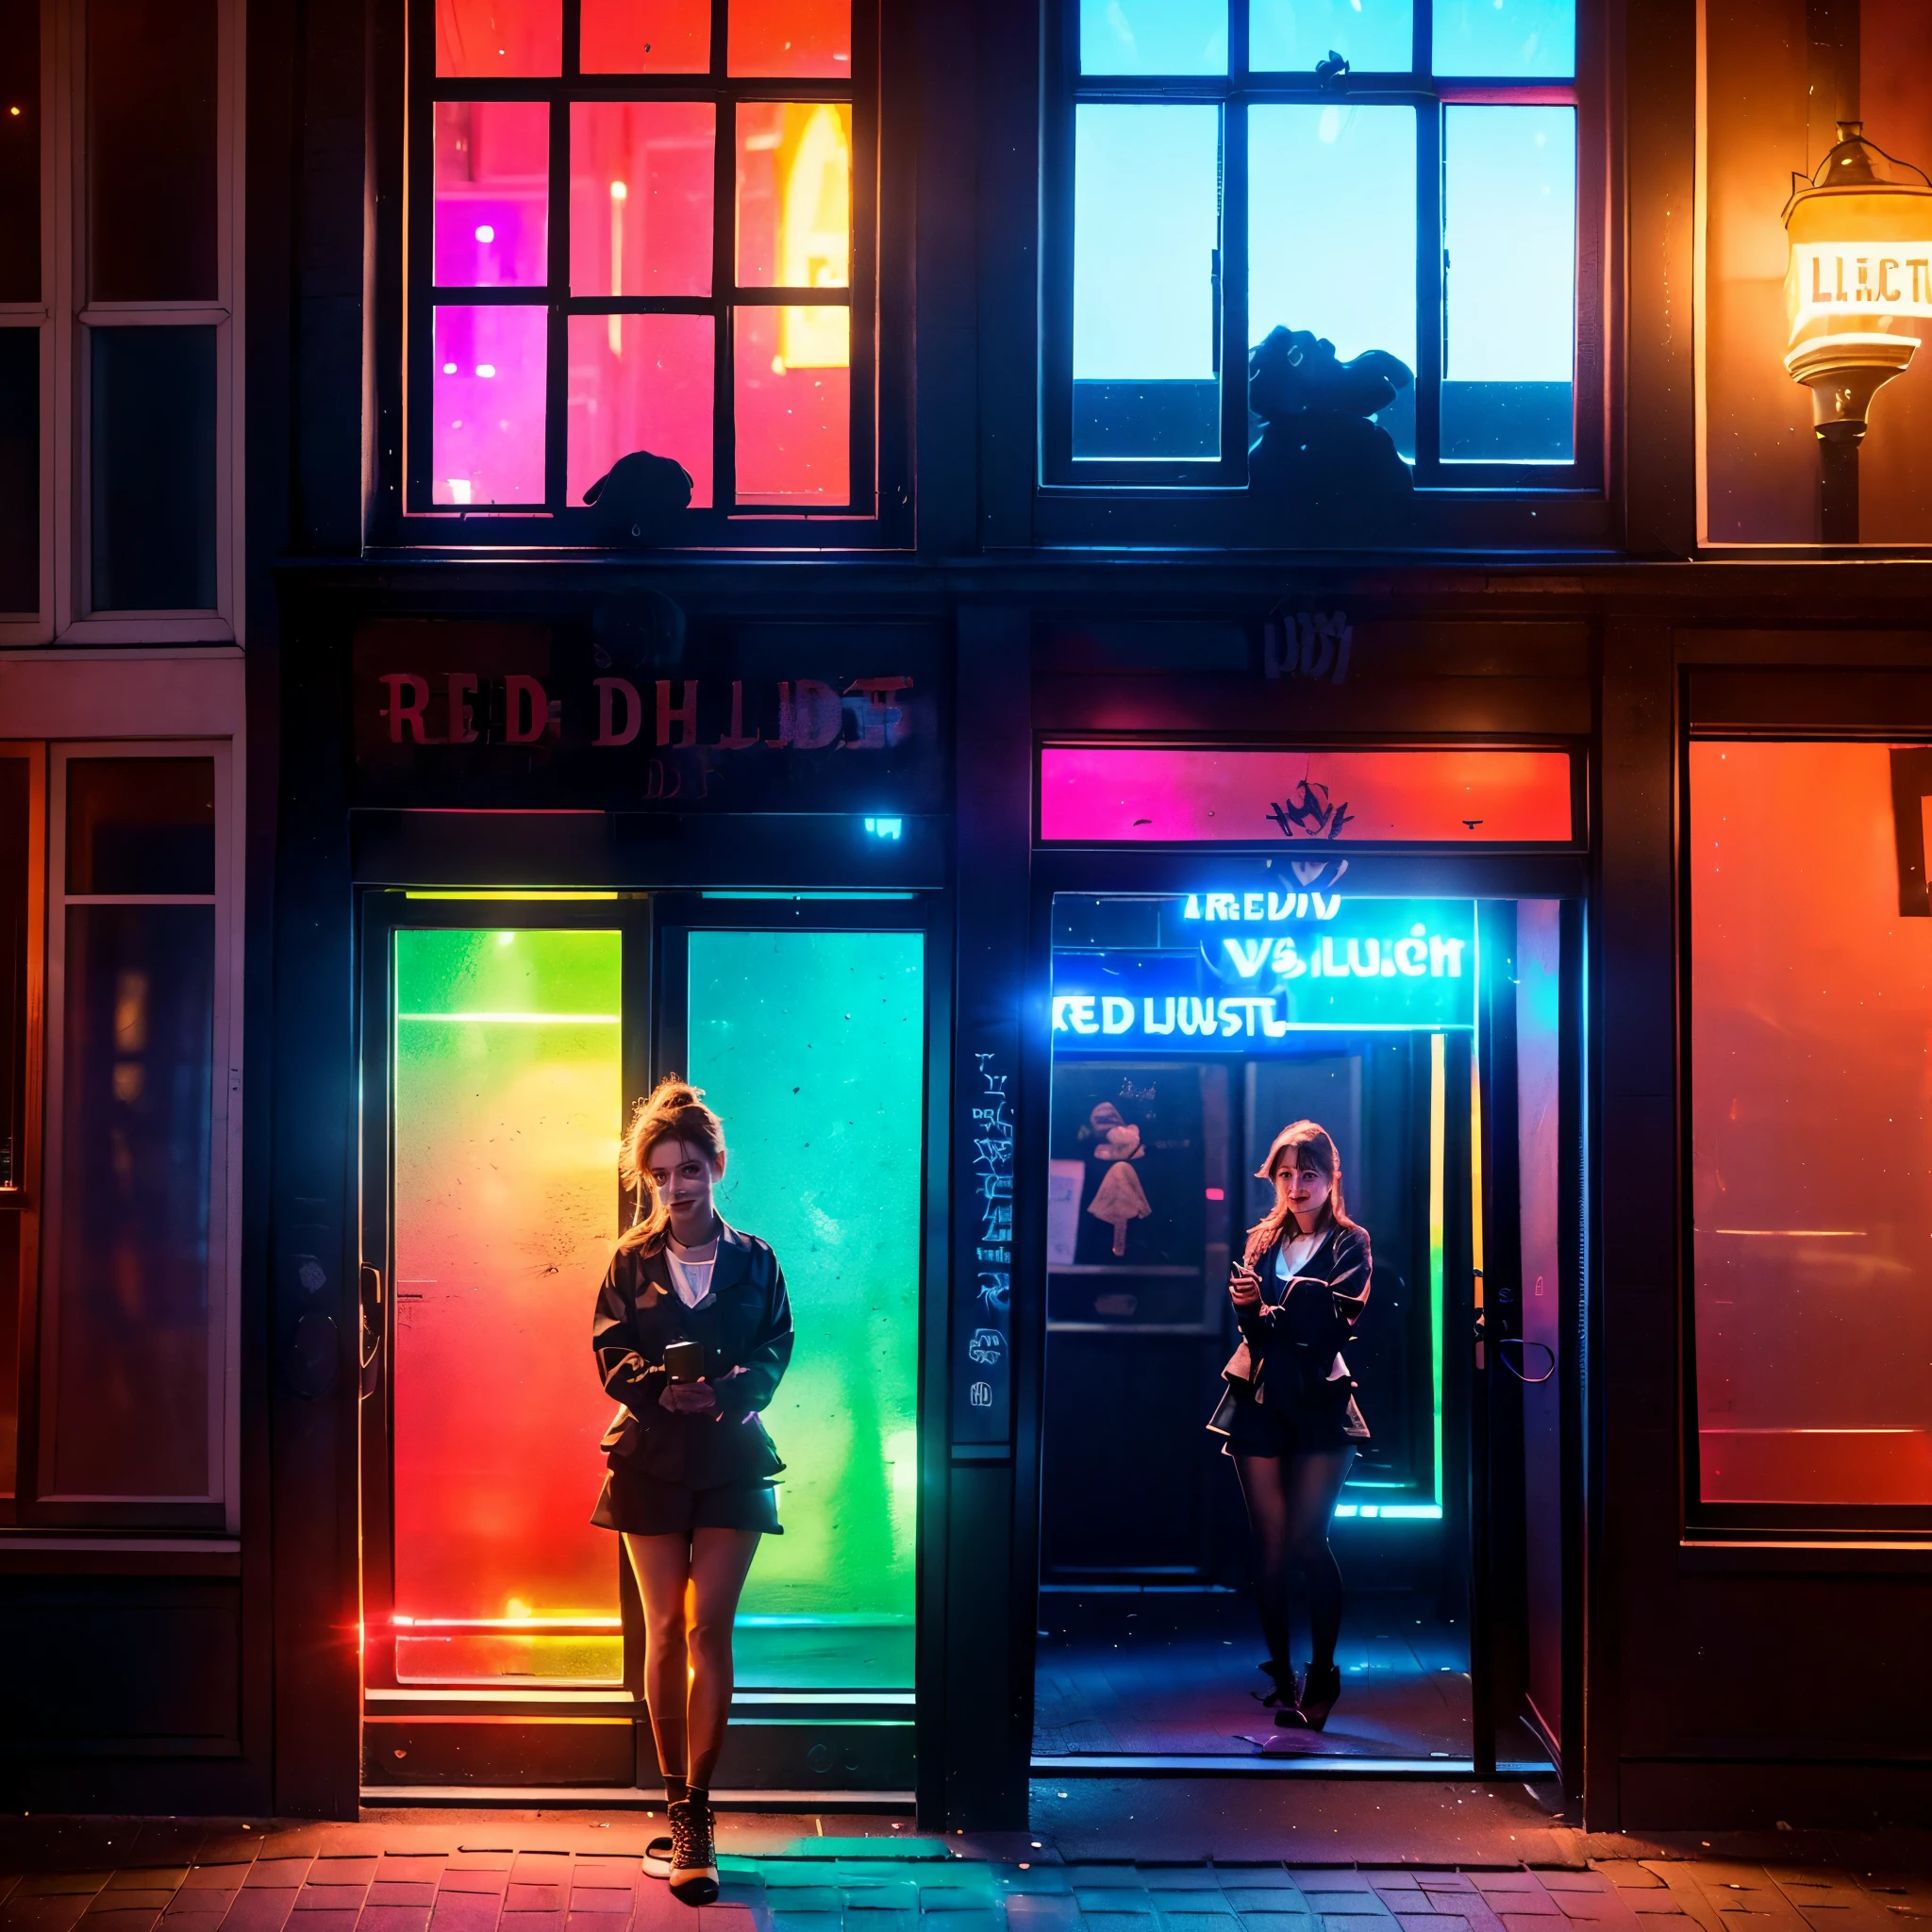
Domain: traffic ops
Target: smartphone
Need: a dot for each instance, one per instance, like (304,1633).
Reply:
(685,1360)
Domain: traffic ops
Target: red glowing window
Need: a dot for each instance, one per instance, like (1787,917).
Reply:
(502,39)
(668,37)
(792,38)
(1811,1171)
(581,293)
(641,197)
(639,382)
(1094,794)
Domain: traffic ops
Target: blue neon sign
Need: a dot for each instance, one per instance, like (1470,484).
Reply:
(1251,981)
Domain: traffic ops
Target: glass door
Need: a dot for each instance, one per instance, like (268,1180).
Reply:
(804,1022)
(509,1050)
(1527,1305)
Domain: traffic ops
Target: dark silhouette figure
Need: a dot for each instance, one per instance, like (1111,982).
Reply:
(1336,474)
(638,500)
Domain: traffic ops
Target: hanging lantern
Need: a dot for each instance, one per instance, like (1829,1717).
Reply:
(1860,286)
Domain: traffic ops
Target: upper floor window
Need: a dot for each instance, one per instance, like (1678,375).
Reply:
(1384,193)
(119,287)
(648,231)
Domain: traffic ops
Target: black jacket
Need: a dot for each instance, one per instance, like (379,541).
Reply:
(1287,1347)
(744,1324)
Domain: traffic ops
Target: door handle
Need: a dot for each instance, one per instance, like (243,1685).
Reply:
(368,1293)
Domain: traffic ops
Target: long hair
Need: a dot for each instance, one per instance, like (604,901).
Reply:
(672,1111)
(1296,1139)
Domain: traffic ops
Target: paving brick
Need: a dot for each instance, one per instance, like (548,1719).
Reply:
(60,1884)
(784,1921)
(1626,1874)
(331,1898)
(1265,1898)
(334,1868)
(1042,1912)
(214,1879)
(1377,1920)
(1428,1921)
(393,1918)
(323,1920)
(45,1912)
(278,1873)
(524,1896)
(1269,1921)
(261,1908)
(602,1897)
(129,1898)
(123,1917)
(976,1895)
(148,1878)
(575,1921)
(465,1911)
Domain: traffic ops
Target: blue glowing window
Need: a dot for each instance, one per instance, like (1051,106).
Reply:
(1386,180)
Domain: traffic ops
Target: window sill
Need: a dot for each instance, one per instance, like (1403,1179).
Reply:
(88,1552)
(1770,1552)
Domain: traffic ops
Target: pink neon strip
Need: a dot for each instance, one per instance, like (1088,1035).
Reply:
(1177,794)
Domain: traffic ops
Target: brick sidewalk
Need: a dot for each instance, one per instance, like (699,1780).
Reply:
(574,1874)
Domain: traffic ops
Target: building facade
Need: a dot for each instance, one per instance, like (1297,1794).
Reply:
(400,782)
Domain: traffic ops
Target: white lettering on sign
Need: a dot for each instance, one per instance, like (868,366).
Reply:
(1855,279)
(1416,956)
(1259,909)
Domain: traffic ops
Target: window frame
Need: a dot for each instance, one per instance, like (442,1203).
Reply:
(65,316)
(1757,708)
(877,514)
(1233,94)
(39,1202)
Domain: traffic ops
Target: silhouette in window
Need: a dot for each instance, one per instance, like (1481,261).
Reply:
(1335,473)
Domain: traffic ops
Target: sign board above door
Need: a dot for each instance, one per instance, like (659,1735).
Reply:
(1312,798)
(769,717)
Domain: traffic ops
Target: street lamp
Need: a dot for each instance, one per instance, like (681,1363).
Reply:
(1858,285)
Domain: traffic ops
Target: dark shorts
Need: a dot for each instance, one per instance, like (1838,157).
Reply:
(1254,1429)
(646,1505)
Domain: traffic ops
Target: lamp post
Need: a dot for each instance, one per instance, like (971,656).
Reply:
(1857,287)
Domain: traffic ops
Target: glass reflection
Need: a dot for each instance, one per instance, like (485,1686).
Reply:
(508,1096)
(492,194)
(1146,228)
(487,385)
(1153,36)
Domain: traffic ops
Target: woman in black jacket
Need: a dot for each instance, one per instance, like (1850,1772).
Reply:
(1288,1410)
(692,1469)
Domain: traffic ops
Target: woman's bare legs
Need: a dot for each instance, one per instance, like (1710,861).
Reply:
(720,1561)
(690,1590)
(661,1565)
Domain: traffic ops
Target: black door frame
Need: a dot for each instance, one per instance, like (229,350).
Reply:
(1500,875)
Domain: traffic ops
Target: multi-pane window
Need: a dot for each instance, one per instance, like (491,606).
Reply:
(116,1237)
(648,232)
(117,320)
(1381,175)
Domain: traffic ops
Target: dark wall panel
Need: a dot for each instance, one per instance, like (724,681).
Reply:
(121,1666)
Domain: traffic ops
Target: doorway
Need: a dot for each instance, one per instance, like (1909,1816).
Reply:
(505,1038)
(1429,1037)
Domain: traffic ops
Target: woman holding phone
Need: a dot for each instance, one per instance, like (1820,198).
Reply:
(693,1332)
(1289,1411)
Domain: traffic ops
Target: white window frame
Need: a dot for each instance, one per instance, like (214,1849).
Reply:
(66,315)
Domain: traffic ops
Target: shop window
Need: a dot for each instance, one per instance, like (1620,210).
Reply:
(1812,1144)
(838,1589)
(116,1318)
(1395,180)
(119,292)
(649,236)
(1784,83)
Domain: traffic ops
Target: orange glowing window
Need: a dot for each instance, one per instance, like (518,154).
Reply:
(1811,1135)
(629,309)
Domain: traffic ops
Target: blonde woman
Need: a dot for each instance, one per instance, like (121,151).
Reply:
(692,1333)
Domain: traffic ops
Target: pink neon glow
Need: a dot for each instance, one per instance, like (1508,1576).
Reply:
(1177,794)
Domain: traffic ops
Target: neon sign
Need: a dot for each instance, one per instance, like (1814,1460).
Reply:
(1374,964)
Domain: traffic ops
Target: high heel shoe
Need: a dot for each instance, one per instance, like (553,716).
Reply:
(1320,1688)
(1282,1700)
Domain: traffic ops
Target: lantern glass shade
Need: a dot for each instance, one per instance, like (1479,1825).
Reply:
(1859,287)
